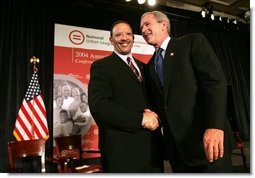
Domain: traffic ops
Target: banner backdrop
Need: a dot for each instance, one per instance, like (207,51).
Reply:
(75,49)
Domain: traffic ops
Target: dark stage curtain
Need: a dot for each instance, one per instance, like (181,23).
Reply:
(27,29)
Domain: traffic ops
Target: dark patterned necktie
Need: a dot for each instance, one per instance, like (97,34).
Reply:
(132,67)
(158,60)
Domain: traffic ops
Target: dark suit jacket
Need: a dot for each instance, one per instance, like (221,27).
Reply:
(117,100)
(194,96)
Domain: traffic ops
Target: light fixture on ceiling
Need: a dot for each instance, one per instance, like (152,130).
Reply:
(219,18)
(141,1)
(203,14)
(149,2)
(234,21)
(212,16)
(246,16)
(207,10)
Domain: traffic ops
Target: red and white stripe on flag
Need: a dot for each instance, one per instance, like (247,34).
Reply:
(31,122)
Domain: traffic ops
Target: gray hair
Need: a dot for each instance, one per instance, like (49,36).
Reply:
(160,17)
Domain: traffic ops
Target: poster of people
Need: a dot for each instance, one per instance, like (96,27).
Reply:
(75,49)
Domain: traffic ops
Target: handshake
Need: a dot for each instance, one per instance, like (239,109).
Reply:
(150,120)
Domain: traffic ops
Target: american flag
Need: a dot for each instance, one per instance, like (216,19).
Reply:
(31,122)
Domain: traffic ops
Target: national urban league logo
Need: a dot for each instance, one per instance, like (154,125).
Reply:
(76,37)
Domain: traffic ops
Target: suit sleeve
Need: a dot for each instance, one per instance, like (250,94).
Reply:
(211,80)
(104,110)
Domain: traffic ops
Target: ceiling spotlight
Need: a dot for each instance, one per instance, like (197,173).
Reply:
(217,17)
(141,1)
(234,21)
(207,9)
(212,16)
(246,16)
(128,0)
(151,2)
(203,13)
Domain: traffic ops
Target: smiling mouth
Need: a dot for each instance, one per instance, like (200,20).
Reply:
(147,35)
(124,44)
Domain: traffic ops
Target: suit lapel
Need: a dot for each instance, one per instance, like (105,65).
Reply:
(169,60)
(153,73)
(124,67)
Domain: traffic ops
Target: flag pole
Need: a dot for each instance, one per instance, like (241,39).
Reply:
(34,60)
(31,122)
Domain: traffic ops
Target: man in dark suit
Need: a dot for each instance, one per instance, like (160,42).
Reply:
(189,93)
(129,136)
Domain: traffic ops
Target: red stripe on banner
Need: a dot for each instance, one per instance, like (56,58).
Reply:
(28,118)
(26,114)
(40,104)
(36,130)
(40,120)
(142,57)
(24,127)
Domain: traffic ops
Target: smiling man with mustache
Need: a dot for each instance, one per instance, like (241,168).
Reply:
(129,135)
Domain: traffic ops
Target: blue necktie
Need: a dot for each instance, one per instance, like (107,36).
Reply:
(158,60)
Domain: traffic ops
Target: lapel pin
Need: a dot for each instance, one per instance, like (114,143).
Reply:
(171,54)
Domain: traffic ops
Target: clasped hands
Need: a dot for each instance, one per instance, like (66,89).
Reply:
(150,120)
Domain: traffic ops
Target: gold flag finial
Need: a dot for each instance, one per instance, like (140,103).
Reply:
(34,60)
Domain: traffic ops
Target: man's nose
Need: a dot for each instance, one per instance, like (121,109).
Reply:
(124,36)
(143,30)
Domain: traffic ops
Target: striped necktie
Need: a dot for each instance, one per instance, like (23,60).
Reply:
(132,67)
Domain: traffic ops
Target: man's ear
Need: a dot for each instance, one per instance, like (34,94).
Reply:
(164,24)
(110,39)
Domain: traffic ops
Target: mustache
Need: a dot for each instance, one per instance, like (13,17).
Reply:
(124,41)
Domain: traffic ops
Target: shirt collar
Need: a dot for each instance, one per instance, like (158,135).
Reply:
(124,57)
(165,43)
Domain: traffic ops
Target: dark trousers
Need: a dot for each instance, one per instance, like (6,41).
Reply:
(178,165)
(213,167)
